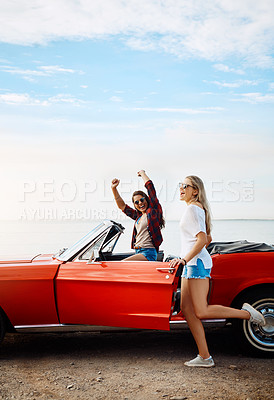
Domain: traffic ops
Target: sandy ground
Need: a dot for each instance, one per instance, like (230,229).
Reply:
(133,366)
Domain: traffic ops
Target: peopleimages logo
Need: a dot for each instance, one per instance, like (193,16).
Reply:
(231,191)
(50,190)
(50,199)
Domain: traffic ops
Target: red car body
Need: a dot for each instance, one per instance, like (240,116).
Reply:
(76,290)
(44,291)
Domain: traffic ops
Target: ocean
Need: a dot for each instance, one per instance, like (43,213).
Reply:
(29,238)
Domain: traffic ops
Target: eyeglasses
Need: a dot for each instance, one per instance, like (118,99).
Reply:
(141,200)
(185,185)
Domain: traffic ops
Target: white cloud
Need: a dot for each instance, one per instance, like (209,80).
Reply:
(4,61)
(227,84)
(67,99)
(21,99)
(53,69)
(255,98)
(42,71)
(236,84)
(24,99)
(205,110)
(225,68)
(116,99)
(211,30)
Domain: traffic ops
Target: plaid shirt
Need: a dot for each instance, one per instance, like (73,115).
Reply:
(154,214)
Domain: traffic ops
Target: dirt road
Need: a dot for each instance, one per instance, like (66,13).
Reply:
(133,366)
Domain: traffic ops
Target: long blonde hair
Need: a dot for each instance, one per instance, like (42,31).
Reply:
(201,198)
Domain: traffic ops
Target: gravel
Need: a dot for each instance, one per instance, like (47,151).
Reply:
(129,366)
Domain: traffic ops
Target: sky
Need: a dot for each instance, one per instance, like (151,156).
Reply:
(92,90)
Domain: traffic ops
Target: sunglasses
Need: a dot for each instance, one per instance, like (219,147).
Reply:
(185,185)
(138,201)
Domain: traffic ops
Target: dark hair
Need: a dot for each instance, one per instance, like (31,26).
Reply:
(143,194)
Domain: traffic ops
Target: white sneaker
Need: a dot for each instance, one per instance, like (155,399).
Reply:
(200,362)
(255,316)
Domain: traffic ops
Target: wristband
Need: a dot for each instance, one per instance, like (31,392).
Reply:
(184,261)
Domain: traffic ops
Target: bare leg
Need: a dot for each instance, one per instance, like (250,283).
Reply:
(136,257)
(194,323)
(198,289)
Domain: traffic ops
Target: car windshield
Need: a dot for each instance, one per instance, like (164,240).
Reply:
(83,242)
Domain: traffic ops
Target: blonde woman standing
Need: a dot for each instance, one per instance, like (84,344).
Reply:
(195,227)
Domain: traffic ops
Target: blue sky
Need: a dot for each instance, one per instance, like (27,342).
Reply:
(93,90)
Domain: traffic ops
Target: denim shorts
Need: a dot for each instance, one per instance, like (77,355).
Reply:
(149,253)
(196,271)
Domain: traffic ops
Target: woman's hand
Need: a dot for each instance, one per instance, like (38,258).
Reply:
(175,262)
(115,182)
(143,175)
(119,201)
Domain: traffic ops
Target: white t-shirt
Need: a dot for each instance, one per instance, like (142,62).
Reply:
(193,222)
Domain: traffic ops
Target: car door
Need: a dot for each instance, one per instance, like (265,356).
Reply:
(134,294)
(27,291)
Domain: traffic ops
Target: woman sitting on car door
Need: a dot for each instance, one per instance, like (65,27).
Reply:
(148,217)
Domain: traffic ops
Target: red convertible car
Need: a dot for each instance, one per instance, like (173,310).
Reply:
(88,287)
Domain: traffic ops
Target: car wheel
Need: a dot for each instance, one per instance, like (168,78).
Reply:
(258,339)
(2,326)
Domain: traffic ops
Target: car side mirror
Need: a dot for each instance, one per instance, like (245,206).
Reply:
(93,256)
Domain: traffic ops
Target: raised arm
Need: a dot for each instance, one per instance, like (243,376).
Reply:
(150,189)
(119,201)
(143,175)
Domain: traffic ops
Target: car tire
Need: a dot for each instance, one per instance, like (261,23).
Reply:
(2,326)
(257,339)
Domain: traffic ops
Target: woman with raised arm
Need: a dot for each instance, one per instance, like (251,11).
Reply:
(195,226)
(148,217)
